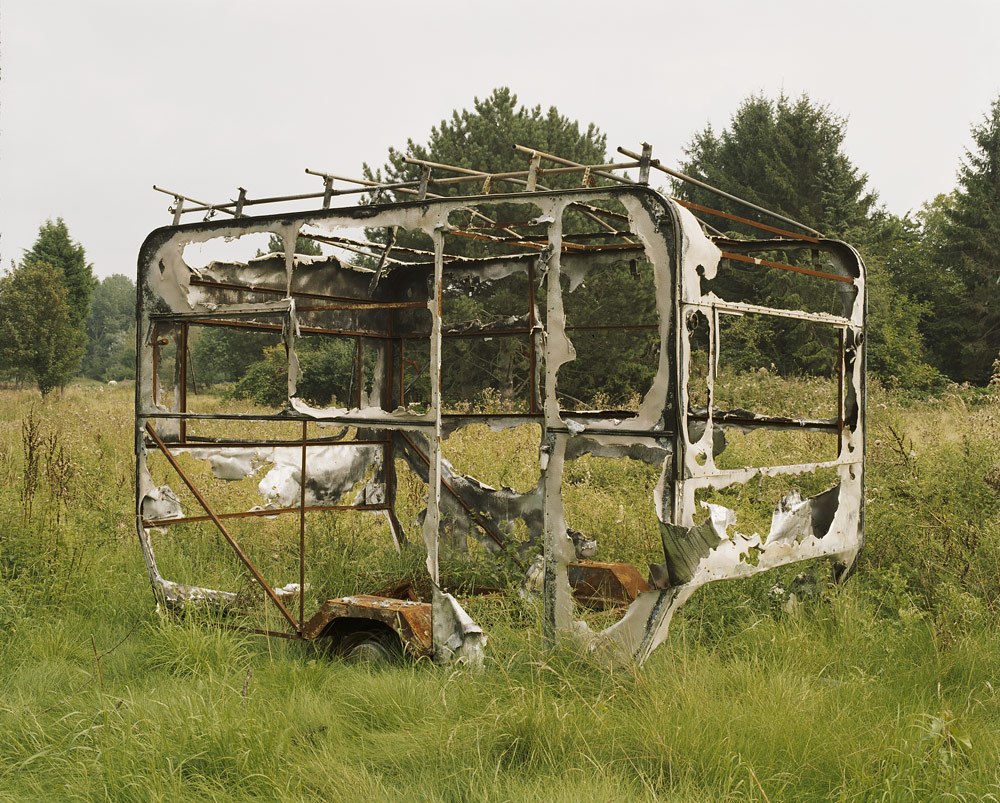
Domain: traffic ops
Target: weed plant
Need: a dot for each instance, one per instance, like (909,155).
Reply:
(882,689)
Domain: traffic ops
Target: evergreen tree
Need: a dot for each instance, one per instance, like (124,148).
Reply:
(54,247)
(969,249)
(41,341)
(787,156)
(783,155)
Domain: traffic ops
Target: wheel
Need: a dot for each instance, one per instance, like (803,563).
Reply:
(371,647)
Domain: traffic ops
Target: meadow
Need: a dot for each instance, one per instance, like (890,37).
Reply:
(885,688)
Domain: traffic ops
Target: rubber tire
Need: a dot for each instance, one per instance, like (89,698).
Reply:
(370,647)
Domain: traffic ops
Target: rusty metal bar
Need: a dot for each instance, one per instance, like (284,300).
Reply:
(594,172)
(698,183)
(532,356)
(841,355)
(156,362)
(405,186)
(363,305)
(783,266)
(281,291)
(181,365)
(243,444)
(222,528)
(302,529)
(747,221)
(275,327)
(250,514)
(416,422)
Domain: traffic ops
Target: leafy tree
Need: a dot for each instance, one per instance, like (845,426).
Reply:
(968,248)
(54,247)
(111,330)
(41,341)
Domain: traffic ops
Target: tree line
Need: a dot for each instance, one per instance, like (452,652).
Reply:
(934,273)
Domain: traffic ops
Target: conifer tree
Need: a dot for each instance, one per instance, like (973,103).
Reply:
(54,247)
(970,250)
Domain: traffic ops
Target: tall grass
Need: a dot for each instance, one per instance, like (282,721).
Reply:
(885,688)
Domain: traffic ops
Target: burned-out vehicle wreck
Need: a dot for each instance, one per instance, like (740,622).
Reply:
(418,293)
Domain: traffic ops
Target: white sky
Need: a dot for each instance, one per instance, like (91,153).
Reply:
(101,99)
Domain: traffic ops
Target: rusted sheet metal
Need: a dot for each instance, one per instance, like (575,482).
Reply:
(411,620)
(605,585)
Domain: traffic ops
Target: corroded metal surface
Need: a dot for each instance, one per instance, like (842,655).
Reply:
(411,620)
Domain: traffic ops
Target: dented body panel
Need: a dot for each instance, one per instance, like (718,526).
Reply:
(397,305)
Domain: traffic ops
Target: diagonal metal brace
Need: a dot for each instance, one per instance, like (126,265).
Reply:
(222,529)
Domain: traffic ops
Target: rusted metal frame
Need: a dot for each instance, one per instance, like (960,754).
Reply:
(330,239)
(485,333)
(273,327)
(302,528)
(594,235)
(577,166)
(279,291)
(519,176)
(619,328)
(381,305)
(156,362)
(416,422)
(517,224)
(841,357)
(472,174)
(528,178)
(181,363)
(243,444)
(222,528)
(532,355)
(738,308)
(540,244)
(388,457)
(272,309)
(724,418)
(736,199)
(364,182)
(487,528)
(747,221)
(250,514)
(782,266)
(235,208)
(405,187)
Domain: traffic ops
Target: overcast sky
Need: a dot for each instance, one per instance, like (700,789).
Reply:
(101,99)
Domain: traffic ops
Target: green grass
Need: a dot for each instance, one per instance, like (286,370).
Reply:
(886,688)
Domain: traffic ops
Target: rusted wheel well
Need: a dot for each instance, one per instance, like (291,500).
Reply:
(346,632)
